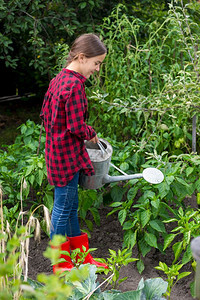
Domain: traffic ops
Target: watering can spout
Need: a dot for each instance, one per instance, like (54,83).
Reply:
(108,179)
(151,175)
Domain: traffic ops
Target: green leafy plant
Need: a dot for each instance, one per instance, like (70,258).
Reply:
(173,275)
(115,262)
(188,228)
(23,172)
(90,201)
(157,64)
(143,225)
(143,208)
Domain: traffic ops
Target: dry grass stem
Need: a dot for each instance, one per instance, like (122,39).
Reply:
(23,263)
(47,218)
(24,185)
(37,235)
(8,229)
(31,223)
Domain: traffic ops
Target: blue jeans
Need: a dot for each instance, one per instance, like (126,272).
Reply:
(64,219)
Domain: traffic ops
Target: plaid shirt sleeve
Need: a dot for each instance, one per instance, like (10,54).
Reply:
(76,108)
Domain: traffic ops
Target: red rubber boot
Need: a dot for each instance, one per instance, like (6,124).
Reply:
(82,240)
(67,265)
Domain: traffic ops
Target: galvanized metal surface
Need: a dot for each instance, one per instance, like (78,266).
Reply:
(195,248)
(100,162)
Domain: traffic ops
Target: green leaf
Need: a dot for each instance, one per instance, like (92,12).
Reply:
(34,283)
(40,165)
(177,248)
(116,204)
(144,247)
(157,225)
(145,217)
(132,193)
(155,203)
(170,220)
(117,193)
(4,169)
(149,195)
(167,241)
(29,170)
(128,225)
(122,216)
(140,266)
(189,170)
(82,5)
(48,200)
(40,177)
(23,128)
(96,215)
(182,275)
(31,179)
(122,280)
(154,288)
(92,194)
(151,239)
(130,238)
(169,179)
(124,166)
(192,289)
(162,267)
(113,211)
(130,295)
(87,204)
(187,256)
(197,185)
(183,182)
(164,189)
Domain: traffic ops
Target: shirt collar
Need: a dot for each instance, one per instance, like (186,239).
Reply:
(78,75)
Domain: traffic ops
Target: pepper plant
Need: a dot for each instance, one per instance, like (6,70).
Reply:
(188,222)
(143,208)
(21,163)
(173,275)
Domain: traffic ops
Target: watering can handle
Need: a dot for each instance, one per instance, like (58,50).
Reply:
(103,150)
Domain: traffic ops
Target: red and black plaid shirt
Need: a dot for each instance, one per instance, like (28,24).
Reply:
(64,113)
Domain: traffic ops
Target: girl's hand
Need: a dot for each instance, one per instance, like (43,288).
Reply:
(95,139)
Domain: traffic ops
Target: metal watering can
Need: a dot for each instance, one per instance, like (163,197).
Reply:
(195,248)
(100,156)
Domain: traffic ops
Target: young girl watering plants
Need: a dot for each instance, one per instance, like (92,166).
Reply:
(64,113)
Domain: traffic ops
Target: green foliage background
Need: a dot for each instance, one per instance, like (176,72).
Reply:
(142,101)
(34,33)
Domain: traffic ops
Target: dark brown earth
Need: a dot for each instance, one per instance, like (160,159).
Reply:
(110,236)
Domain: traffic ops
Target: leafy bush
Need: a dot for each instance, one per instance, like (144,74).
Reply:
(148,84)
(23,173)
(143,209)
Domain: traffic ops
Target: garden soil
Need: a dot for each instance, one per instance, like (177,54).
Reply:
(109,235)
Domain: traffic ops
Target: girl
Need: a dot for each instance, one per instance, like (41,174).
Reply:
(64,113)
